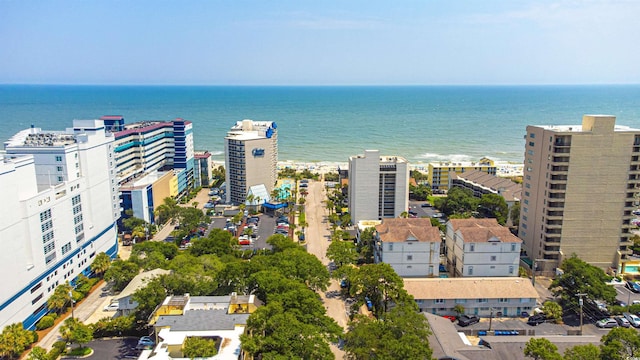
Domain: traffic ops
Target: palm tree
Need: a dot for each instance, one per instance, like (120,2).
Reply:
(58,300)
(101,264)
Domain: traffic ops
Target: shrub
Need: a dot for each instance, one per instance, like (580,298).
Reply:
(46,322)
(59,346)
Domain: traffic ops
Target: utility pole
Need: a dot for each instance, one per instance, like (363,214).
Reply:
(71,300)
(581,302)
(490,318)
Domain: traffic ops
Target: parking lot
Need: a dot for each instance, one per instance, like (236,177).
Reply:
(265,229)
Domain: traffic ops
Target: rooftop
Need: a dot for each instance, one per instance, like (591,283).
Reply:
(480,163)
(470,288)
(483,230)
(202,320)
(36,137)
(408,229)
(509,190)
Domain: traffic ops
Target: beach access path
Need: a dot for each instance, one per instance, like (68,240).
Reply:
(318,238)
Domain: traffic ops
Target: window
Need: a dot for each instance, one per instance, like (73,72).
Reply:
(532,135)
(461,301)
(33,289)
(390,247)
(503,300)
(513,247)
(59,168)
(58,158)
(66,248)
(60,178)
(438,301)
(472,247)
(482,301)
(530,152)
(493,258)
(527,185)
(470,270)
(510,269)
(531,143)
(409,257)
(45,215)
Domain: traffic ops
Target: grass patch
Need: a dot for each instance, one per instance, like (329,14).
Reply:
(80,351)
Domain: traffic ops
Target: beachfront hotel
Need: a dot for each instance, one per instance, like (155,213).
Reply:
(580,189)
(438,176)
(60,205)
(251,158)
(154,160)
(378,186)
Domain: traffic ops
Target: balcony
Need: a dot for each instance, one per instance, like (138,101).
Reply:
(555,241)
(561,150)
(560,159)
(559,169)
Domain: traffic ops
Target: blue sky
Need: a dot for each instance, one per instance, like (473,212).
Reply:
(247,42)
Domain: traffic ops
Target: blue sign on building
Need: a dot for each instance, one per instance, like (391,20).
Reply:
(257,152)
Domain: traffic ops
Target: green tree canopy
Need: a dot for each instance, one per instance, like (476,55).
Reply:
(457,201)
(148,298)
(620,344)
(199,347)
(101,263)
(400,334)
(378,282)
(494,206)
(280,243)
(580,277)
(342,252)
(274,333)
(541,349)
(14,339)
(121,273)
(552,310)
(76,332)
(59,300)
(218,242)
(582,352)
(514,214)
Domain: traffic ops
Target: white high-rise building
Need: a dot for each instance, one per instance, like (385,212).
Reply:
(60,205)
(378,186)
(251,158)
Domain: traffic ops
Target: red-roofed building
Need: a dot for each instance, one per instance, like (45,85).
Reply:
(481,247)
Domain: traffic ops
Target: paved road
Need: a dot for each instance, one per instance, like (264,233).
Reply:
(317,237)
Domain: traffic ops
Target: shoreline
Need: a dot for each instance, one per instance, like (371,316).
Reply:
(503,168)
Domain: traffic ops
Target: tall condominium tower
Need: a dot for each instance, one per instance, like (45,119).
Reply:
(60,205)
(580,189)
(378,186)
(251,155)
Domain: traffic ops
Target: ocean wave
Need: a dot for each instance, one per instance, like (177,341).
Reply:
(448,157)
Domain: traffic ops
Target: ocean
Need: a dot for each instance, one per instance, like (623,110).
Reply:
(329,124)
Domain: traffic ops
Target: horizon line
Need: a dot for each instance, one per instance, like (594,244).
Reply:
(319,85)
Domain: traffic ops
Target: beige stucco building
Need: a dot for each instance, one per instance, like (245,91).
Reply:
(580,187)
(438,175)
(251,155)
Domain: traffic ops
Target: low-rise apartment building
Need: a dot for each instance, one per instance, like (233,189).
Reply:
(481,183)
(481,247)
(504,296)
(221,318)
(410,245)
(438,175)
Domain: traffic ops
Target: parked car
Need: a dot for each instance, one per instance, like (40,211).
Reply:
(622,321)
(145,342)
(631,285)
(111,307)
(632,319)
(466,320)
(536,319)
(524,314)
(425,205)
(450,317)
(369,304)
(607,323)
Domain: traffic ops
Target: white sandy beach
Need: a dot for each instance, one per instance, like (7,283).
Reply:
(504,169)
